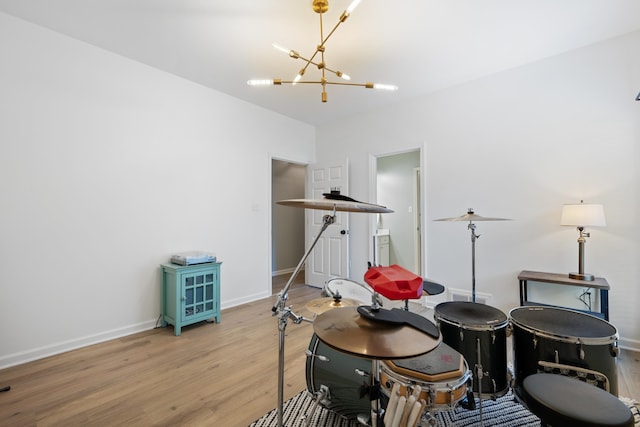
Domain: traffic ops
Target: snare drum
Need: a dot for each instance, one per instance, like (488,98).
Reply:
(479,332)
(566,342)
(442,375)
(341,373)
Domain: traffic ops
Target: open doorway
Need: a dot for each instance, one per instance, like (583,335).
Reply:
(398,236)
(287,224)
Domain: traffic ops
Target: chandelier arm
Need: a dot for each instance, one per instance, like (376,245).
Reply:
(309,61)
(367,85)
(324,41)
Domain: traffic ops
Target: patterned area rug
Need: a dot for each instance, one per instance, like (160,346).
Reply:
(503,412)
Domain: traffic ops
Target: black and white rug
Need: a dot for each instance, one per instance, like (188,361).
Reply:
(503,412)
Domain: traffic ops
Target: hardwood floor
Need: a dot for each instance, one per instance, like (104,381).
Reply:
(212,375)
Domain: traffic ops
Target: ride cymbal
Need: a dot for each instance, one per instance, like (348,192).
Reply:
(338,205)
(470,216)
(346,330)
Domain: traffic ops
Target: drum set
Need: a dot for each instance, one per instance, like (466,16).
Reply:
(393,367)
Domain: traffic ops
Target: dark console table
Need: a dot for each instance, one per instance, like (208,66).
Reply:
(598,283)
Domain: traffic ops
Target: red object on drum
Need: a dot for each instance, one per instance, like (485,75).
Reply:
(394,282)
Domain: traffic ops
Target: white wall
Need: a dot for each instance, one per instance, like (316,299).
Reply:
(107,168)
(518,144)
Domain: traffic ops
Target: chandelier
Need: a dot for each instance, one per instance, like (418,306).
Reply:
(320,7)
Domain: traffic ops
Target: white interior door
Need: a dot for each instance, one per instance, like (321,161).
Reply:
(330,256)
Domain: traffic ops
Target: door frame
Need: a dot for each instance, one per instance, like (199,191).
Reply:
(270,219)
(373,197)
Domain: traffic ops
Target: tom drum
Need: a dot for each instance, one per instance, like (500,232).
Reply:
(479,332)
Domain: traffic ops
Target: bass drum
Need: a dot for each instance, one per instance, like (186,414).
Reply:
(566,342)
(442,375)
(475,330)
(339,373)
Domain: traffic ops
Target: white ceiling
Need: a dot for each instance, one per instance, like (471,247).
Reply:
(420,45)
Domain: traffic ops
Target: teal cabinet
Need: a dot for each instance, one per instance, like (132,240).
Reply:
(190,294)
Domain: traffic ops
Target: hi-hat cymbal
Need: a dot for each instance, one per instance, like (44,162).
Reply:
(320,305)
(346,330)
(471,217)
(339,205)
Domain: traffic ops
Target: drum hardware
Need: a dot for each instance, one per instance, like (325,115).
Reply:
(470,216)
(321,395)
(580,350)
(479,376)
(362,373)
(333,203)
(317,356)
(595,378)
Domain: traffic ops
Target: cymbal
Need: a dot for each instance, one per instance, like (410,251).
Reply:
(320,305)
(471,217)
(339,205)
(346,330)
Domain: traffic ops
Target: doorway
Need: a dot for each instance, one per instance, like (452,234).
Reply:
(398,186)
(287,224)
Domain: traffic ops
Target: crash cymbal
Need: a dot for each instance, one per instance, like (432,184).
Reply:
(346,330)
(339,205)
(320,305)
(470,216)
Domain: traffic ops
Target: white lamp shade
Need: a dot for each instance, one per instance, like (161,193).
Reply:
(582,215)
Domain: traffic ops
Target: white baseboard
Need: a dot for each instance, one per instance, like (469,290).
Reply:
(64,346)
(286,271)
(629,344)
(244,300)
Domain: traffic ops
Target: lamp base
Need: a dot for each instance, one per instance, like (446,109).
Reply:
(582,276)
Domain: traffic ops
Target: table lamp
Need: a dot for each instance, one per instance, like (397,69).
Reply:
(582,215)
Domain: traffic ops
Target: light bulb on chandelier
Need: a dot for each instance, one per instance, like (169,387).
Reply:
(320,7)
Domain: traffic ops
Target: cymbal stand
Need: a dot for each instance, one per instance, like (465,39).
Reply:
(474,237)
(480,376)
(283,312)
(374,377)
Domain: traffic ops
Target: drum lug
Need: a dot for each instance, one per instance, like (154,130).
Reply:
(461,335)
(535,341)
(320,357)
(361,372)
(580,350)
(508,330)
(614,350)
(493,337)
